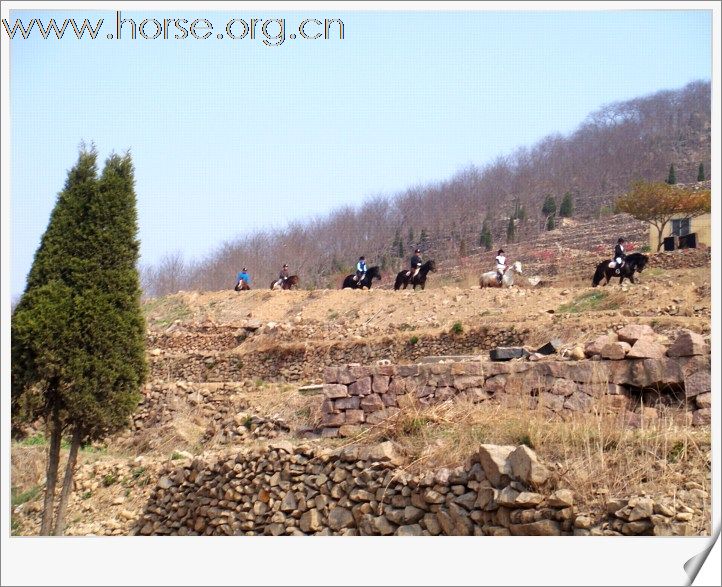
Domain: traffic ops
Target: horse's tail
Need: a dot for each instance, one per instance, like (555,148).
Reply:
(598,274)
(399,281)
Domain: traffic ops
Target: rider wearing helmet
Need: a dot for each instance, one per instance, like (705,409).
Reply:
(500,261)
(360,269)
(415,263)
(619,255)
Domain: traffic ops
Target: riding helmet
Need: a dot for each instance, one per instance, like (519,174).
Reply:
(417,251)
(500,251)
(620,240)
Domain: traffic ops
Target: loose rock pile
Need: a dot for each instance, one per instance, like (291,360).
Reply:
(162,401)
(243,426)
(283,489)
(683,514)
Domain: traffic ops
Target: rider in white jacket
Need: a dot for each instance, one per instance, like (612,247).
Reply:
(500,260)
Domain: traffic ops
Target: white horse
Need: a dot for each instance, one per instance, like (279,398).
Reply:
(489,278)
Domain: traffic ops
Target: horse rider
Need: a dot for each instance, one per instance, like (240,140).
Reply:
(619,255)
(360,269)
(500,261)
(283,276)
(243,277)
(415,264)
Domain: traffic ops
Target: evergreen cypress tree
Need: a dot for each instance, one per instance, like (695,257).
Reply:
(424,237)
(510,231)
(521,213)
(550,206)
(485,238)
(566,209)
(700,173)
(411,236)
(551,222)
(398,245)
(672,177)
(78,333)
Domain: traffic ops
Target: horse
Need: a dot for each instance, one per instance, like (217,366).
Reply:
(242,286)
(290,283)
(489,279)
(403,279)
(371,274)
(636,262)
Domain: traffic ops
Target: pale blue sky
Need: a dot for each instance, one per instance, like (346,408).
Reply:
(230,136)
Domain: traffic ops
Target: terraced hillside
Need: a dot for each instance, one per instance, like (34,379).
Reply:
(230,372)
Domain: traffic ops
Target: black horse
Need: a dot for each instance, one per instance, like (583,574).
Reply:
(403,279)
(371,274)
(636,262)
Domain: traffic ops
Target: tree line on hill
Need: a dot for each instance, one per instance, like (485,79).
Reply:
(662,137)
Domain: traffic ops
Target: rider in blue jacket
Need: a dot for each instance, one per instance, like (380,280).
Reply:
(242,278)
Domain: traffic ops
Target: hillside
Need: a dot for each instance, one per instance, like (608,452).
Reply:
(227,370)
(620,143)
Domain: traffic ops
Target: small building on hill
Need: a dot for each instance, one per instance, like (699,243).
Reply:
(679,228)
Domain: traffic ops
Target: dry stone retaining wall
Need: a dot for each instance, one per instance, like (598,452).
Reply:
(305,362)
(283,489)
(681,258)
(358,395)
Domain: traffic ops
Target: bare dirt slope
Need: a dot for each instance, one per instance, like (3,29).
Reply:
(667,296)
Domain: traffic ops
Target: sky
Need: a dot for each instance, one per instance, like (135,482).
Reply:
(231,136)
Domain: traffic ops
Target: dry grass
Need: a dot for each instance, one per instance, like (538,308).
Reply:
(589,451)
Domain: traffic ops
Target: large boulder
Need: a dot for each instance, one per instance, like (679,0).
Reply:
(697,383)
(385,452)
(494,460)
(525,467)
(688,344)
(615,350)
(646,348)
(631,333)
(595,347)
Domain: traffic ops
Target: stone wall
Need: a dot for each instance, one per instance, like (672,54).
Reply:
(681,258)
(284,489)
(306,361)
(623,376)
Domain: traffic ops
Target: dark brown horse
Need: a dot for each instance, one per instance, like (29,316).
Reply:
(403,279)
(290,283)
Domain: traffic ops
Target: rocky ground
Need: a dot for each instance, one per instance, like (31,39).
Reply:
(185,419)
